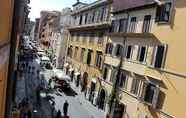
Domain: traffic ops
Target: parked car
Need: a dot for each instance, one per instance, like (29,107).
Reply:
(62,81)
(62,84)
(49,66)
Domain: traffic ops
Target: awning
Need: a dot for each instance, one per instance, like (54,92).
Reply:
(66,64)
(76,73)
(45,58)
(93,79)
(71,69)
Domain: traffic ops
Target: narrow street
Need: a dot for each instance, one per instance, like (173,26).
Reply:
(27,83)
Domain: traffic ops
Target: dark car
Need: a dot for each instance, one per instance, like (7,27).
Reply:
(49,66)
(61,83)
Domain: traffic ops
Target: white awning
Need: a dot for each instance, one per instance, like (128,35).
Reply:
(66,64)
(76,73)
(45,58)
(71,69)
(93,79)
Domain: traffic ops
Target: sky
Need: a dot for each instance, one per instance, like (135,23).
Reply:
(38,5)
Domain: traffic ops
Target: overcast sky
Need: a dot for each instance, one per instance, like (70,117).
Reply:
(38,5)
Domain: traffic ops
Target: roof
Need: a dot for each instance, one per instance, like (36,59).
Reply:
(121,5)
(79,3)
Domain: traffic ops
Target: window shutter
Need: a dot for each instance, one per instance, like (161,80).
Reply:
(144,91)
(158,12)
(159,56)
(155,97)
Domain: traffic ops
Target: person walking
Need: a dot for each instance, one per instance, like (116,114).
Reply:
(58,114)
(65,108)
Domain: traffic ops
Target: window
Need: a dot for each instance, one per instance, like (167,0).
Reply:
(159,55)
(163,12)
(98,59)
(109,48)
(86,17)
(115,26)
(105,73)
(89,56)
(114,74)
(129,52)
(123,25)
(75,53)
(142,54)
(82,54)
(135,86)
(102,14)
(119,50)
(146,23)
(80,20)
(151,94)
(93,14)
(123,80)
(132,26)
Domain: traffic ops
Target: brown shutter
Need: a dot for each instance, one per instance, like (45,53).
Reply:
(155,97)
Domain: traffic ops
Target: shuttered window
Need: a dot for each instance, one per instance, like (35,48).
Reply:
(159,56)
(118,50)
(146,23)
(142,54)
(129,52)
(135,86)
(109,48)
(163,12)
(151,94)
(132,27)
(123,80)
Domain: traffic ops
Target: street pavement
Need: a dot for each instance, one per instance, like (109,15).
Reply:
(79,107)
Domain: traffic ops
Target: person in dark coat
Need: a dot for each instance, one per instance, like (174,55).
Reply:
(65,108)
(58,114)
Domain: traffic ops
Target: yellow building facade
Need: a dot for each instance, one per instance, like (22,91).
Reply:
(151,39)
(86,47)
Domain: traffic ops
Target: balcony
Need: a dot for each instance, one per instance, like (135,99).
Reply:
(92,26)
(131,35)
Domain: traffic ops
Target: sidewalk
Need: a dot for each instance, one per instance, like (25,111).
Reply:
(91,109)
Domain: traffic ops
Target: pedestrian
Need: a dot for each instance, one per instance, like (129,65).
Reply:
(58,114)
(53,108)
(65,108)
(38,95)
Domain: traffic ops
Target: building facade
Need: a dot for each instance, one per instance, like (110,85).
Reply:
(85,53)
(11,28)
(65,23)
(146,37)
